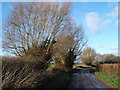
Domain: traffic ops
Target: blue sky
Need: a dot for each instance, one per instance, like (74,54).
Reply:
(99,20)
(0,27)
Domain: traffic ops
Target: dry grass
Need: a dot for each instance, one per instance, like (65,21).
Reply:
(80,65)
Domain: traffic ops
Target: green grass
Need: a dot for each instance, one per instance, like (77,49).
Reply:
(52,65)
(113,82)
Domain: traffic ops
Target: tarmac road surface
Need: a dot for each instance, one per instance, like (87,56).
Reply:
(84,79)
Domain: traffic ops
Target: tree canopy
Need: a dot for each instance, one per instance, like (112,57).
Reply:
(43,30)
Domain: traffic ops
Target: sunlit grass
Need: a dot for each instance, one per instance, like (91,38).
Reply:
(113,82)
(52,65)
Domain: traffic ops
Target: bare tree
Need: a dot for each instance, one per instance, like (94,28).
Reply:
(35,29)
(88,55)
(111,58)
(31,24)
(69,45)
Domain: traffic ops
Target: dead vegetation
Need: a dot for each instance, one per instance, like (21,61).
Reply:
(43,31)
(18,73)
(38,33)
(110,69)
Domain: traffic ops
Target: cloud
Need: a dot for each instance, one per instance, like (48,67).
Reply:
(94,22)
(114,13)
(106,22)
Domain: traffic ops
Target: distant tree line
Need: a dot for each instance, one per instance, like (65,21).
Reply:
(89,57)
(107,58)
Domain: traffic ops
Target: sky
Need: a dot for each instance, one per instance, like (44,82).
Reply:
(98,19)
(0,28)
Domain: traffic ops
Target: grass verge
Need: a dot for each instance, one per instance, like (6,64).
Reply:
(110,81)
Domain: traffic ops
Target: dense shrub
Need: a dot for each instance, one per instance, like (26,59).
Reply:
(18,73)
(110,69)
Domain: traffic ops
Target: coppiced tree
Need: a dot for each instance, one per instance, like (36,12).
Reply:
(34,25)
(34,29)
(69,45)
(88,55)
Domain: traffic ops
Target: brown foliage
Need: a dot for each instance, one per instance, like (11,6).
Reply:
(68,45)
(88,55)
(40,31)
(17,73)
(110,69)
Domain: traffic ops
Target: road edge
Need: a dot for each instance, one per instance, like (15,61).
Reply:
(102,82)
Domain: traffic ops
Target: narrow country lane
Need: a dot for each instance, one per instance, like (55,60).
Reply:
(85,79)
